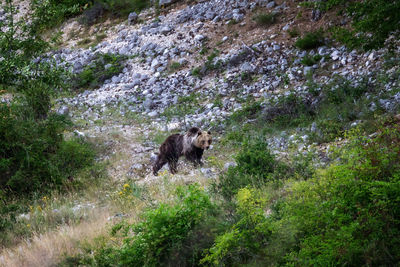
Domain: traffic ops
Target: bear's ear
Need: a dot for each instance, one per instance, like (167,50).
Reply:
(209,132)
(199,133)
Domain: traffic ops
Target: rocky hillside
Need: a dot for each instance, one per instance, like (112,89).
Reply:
(246,71)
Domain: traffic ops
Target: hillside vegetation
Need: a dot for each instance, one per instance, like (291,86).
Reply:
(302,99)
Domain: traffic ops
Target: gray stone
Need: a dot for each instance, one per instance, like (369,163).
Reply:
(237,17)
(247,67)
(153,158)
(206,172)
(335,55)
(115,79)
(199,38)
(132,18)
(165,30)
(64,110)
(152,114)
(286,27)
(307,70)
(148,104)
(229,165)
(155,63)
(270,4)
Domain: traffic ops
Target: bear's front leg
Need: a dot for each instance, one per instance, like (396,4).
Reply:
(173,166)
(160,162)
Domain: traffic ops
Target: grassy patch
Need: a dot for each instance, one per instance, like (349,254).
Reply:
(310,40)
(102,68)
(266,19)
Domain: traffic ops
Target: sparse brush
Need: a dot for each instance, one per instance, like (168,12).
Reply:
(310,40)
(266,19)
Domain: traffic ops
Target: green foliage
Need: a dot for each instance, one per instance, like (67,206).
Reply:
(309,61)
(196,72)
(373,21)
(50,13)
(165,234)
(175,66)
(124,7)
(102,68)
(246,113)
(293,32)
(310,40)
(255,165)
(34,155)
(350,214)
(103,9)
(266,19)
(18,45)
(247,237)
(185,105)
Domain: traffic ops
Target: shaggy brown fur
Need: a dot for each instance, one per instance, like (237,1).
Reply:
(191,145)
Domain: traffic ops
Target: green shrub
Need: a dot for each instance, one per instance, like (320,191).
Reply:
(124,7)
(309,61)
(247,238)
(310,40)
(266,19)
(373,21)
(350,214)
(102,68)
(50,13)
(293,32)
(34,155)
(255,165)
(168,234)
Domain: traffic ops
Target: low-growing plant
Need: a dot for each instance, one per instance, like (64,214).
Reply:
(100,69)
(310,40)
(311,60)
(293,32)
(255,166)
(247,238)
(266,19)
(167,235)
(349,214)
(373,21)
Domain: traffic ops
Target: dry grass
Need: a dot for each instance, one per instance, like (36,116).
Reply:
(47,249)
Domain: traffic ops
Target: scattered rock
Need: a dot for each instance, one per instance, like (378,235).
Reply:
(132,18)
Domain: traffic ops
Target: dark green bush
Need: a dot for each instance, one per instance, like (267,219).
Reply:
(373,21)
(351,215)
(169,235)
(102,68)
(124,7)
(247,238)
(34,155)
(310,40)
(266,19)
(50,13)
(255,165)
(311,60)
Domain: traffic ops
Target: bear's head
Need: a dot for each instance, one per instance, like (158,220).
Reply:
(203,140)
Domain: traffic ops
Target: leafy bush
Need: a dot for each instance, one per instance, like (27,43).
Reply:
(34,155)
(309,61)
(165,234)
(124,7)
(310,40)
(373,21)
(266,19)
(246,238)
(255,166)
(350,215)
(50,13)
(102,68)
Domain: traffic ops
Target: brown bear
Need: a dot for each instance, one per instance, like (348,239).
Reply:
(191,145)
